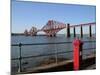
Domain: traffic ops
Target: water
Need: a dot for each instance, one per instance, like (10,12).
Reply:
(45,49)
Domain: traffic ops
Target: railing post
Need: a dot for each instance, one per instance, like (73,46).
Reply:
(81,31)
(68,30)
(20,58)
(77,54)
(74,32)
(56,54)
(90,33)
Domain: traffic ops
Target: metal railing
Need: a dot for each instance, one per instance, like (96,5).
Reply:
(42,55)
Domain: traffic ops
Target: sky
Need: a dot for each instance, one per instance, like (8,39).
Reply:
(24,15)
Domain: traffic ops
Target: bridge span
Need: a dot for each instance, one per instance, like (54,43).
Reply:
(53,27)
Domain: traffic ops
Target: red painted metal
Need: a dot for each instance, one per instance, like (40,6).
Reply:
(52,27)
(77,55)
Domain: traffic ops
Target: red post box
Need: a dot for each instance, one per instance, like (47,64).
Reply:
(77,54)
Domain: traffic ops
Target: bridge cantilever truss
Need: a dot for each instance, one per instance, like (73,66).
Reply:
(52,27)
(32,31)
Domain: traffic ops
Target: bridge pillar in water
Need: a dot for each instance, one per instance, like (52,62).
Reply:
(90,31)
(68,30)
(52,35)
(81,31)
(77,54)
(74,32)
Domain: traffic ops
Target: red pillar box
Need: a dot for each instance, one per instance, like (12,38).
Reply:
(77,54)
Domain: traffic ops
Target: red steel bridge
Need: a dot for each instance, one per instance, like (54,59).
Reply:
(53,27)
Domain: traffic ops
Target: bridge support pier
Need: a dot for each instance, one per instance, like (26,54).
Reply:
(68,30)
(81,31)
(52,35)
(90,31)
(74,32)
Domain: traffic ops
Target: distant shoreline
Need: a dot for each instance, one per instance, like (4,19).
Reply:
(18,34)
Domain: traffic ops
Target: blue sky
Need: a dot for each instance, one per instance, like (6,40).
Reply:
(28,14)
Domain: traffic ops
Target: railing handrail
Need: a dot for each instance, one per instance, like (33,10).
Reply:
(50,54)
(22,44)
(43,55)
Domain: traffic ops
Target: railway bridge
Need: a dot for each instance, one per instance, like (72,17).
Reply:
(52,27)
